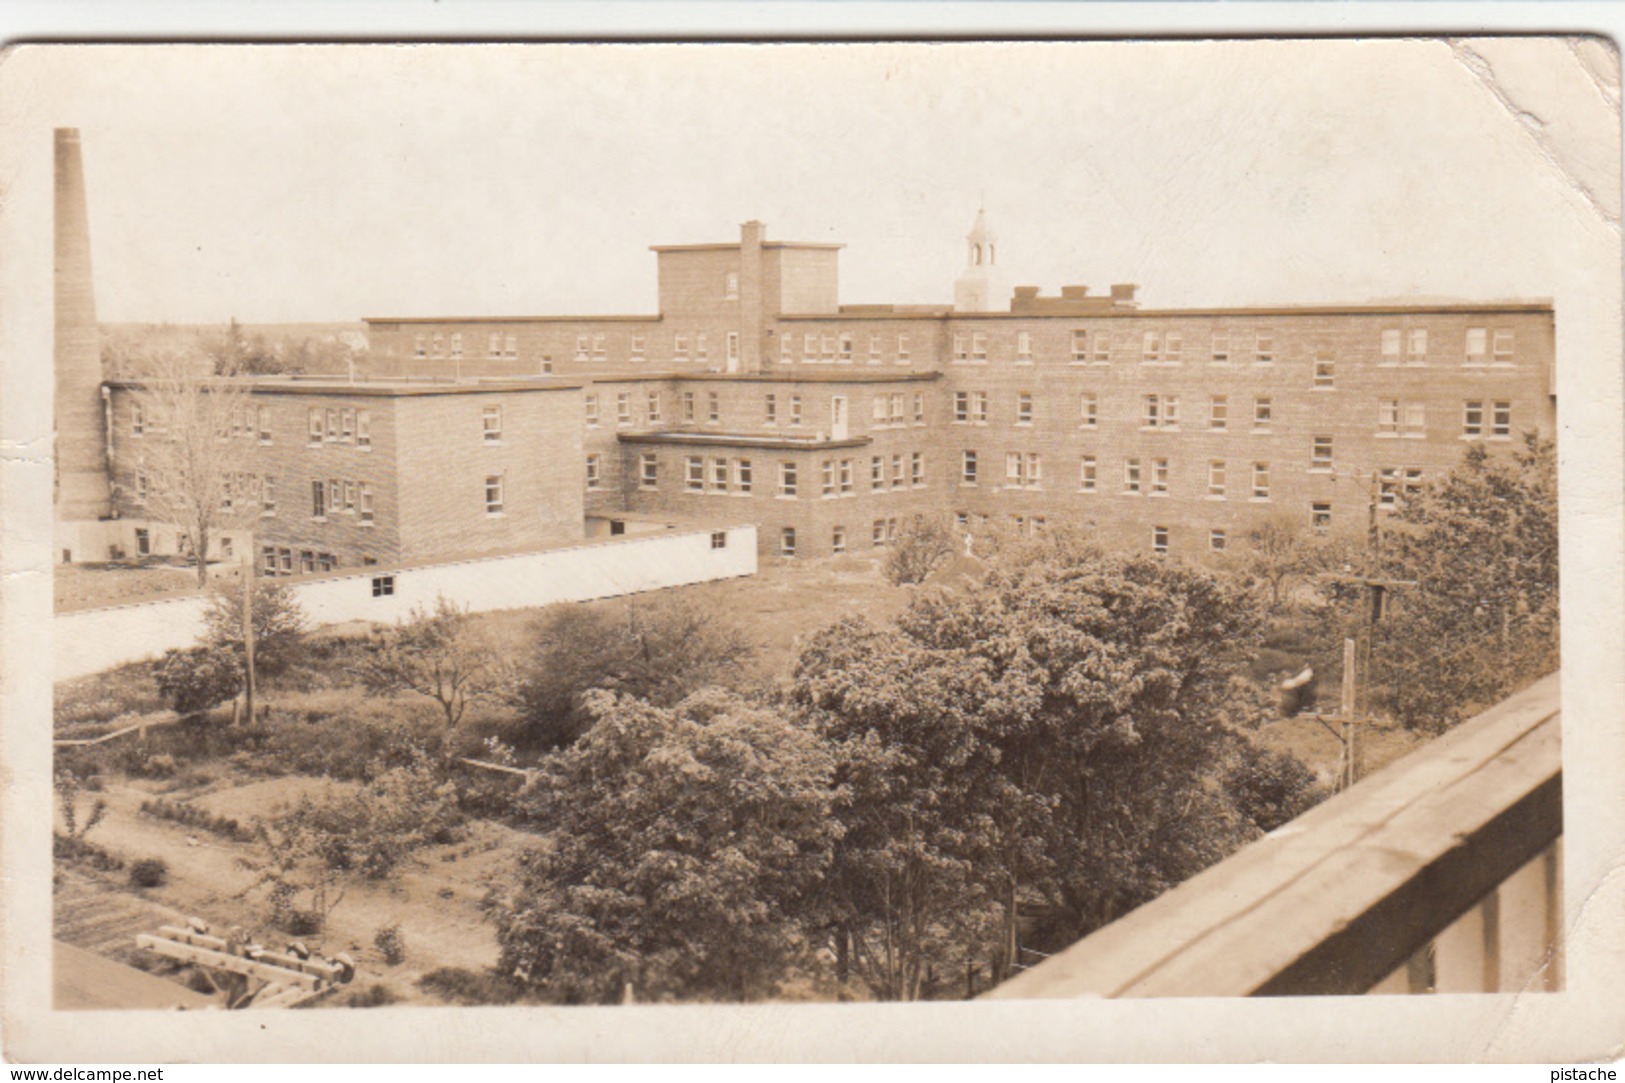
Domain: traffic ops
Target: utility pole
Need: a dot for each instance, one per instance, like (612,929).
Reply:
(1346,710)
(248,640)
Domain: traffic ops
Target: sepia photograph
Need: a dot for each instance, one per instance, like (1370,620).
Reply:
(998,527)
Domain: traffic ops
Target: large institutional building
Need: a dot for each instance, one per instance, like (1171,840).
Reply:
(753,395)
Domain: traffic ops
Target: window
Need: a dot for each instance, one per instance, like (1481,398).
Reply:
(349,497)
(439,344)
(383,586)
(828,344)
(1477,345)
(1173,347)
(363,429)
(719,475)
(1088,476)
(837,540)
(637,347)
(730,286)
(495,347)
(1261,481)
(494,502)
(1325,372)
(1472,418)
(719,539)
(967,467)
(770,409)
(897,471)
(1390,346)
(877,473)
(1221,347)
(713,408)
(419,345)
(827,469)
(846,348)
(846,477)
(1218,412)
(332,425)
(787,479)
(1415,419)
(1388,487)
(1150,411)
(1264,351)
(877,535)
(1216,540)
(138,420)
(623,408)
(1080,347)
(701,349)
(742,475)
(1387,417)
(1501,421)
(882,410)
(916,468)
(316,428)
(1159,477)
(594,472)
(897,403)
(795,409)
(318,500)
(919,408)
(961,346)
(1103,348)
(1024,408)
(591,401)
(654,407)
(679,347)
(978,407)
(786,350)
(809,347)
(787,541)
(694,474)
(902,348)
(961,406)
(364,502)
(1263,412)
(1151,349)
(1320,518)
(874,348)
(457,345)
(978,346)
(263,414)
(1024,347)
(141,483)
(1159,539)
(268,495)
(1320,457)
(1503,348)
(1215,478)
(1416,346)
(1088,410)
(491,423)
(649,470)
(1131,476)
(688,406)
(510,345)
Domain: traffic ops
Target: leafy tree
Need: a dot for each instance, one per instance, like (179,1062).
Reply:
(1282,550)
(279,622)
(659,649)
(1270,788)
(923,545)
(1481,547)
(195,680)
(439,653)
(685,846)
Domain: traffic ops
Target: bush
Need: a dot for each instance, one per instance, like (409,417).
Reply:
(390,944)
(149,872)
(77,850)
(1271,788)
(300,922)
(376,995)
(192,816)
(463,986)
(192,681)
(345,734)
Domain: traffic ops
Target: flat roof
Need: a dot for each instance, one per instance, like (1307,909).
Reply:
(378,389)
(619,318)
(726,245)
(742,439)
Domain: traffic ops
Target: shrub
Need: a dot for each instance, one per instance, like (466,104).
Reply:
(79,851)
(192,681)
(301,922)
(390,944)
(1271,788)
(149,872)
(375,995)
(192,816)
(461,985)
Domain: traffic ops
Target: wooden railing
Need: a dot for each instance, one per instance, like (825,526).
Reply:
(1441,873)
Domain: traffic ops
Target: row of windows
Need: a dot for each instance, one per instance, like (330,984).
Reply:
(279,560)
(883,532)
(335,496)
(336,425)
(839,348)
(836,477)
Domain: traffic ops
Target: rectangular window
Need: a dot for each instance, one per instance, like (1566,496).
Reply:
(316,427)
(967,467)
(961,406)
(881,412)
(787,479)
(594,472)
(787,348)
(1159,477)
(1416,345)
(495,347)
(1263,412)
(1503,348)
(694,474)
(1390,346)
(702,350)
(787,541)
(795,409)
(383,586)
(1218,412)
(263,415)
(1151,348)
(719,539)
(1388,487)
(591,401)
(1387,417)
(1478,345)
(637,348)
(457,345)
(837,540)
(1103,347)
(1221,347)
(491,424)
(349,496)
(1501,422)
(1024,408)
(1159,539)
(494,502)
(364,502)
(919,408)
(510,345)
(1216,540)
(1261,481)
(1413,480)
(1088,410)
(688,407)
(1173,347)
(1015,470)
(363,428)
(827,470)
(1215,477)
(846,348)
(318,500)
(733,350)
(877,473)
(1170,411)
(268,495)
(420,347)
(654,407)
(809,347)
(1320,518)
(961,346)
(897,404)
(439,344)
(649,470)
(897,471)
(1024,347)
(1472,418)
(978,346)
(902,348)
(742,475)
(1131,476)
(1080,347)
(978,407)
(874,348)
(846,477)
(877,535)
(138,419)
(1415,419)
(916,468)
(1325,372)
(679,347)
(332,425)
(719,475)
(623,408)
(713,408)
(1320,457)
(1264,351)
(1088,475)
(770,409)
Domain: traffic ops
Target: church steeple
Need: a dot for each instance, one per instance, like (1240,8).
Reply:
(979,285)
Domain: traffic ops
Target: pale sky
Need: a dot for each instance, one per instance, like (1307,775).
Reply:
(331,183)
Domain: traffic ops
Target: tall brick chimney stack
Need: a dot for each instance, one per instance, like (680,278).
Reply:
(80,447)
(752,326)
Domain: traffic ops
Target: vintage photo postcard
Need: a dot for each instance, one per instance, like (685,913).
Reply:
(875,550)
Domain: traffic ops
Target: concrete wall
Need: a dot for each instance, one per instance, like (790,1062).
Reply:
(95,639)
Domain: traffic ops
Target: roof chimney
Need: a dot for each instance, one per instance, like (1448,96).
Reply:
(80,447)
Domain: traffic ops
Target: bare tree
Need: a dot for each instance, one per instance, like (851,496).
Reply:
(202,434)
(1282,549)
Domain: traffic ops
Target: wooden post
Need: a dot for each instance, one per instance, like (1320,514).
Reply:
(248,641)
(1346,709)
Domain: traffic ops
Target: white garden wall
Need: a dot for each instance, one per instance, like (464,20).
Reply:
(95,639)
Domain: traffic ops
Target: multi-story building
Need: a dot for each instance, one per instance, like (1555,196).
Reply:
(1171,429)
